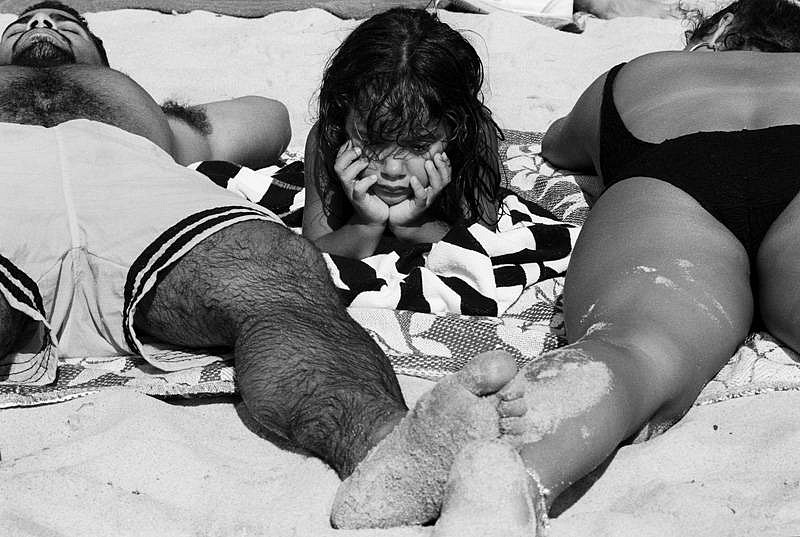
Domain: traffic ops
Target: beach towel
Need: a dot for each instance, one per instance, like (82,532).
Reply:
(418,343)
(472,270)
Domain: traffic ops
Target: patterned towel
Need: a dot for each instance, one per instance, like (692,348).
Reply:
(423,344)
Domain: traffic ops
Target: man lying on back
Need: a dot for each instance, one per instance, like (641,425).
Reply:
(107,241)
(49,36)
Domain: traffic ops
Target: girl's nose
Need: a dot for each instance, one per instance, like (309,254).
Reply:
(393,168)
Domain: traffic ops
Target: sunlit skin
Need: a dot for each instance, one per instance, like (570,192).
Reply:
(52,26)
(391,184)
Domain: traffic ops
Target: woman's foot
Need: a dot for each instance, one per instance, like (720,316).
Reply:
(402,480)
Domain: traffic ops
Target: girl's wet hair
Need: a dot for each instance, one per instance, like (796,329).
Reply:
(766,25)
(409,79)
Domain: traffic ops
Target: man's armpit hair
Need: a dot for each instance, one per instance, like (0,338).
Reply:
(194,116)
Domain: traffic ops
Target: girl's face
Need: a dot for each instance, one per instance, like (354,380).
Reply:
(394,164)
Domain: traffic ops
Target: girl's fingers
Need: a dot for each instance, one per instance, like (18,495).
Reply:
(420,192)
(438,169)
(433,174)
(442,163)
(345,146)
(351,172)
(362,185)
(347,158)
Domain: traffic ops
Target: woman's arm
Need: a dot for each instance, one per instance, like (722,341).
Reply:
(352,238)
(251,131)
(572,142)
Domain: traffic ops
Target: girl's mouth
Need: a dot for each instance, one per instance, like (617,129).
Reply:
(394,194)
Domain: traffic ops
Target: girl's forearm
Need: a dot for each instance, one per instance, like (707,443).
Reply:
(430,231)
(353,240)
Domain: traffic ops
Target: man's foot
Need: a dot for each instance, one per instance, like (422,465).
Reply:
(402,480)
(488,494)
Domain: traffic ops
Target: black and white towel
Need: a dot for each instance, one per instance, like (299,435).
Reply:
(472,270)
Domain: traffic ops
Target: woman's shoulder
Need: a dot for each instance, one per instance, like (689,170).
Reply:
(657,62)
(685,64)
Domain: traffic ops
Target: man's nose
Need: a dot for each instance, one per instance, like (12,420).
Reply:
(40,20)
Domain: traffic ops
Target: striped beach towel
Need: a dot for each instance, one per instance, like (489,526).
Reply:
(471,271)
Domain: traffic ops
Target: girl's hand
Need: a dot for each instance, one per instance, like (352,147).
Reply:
(369,208)
(408,212)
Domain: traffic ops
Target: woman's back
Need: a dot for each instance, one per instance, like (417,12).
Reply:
(665,95)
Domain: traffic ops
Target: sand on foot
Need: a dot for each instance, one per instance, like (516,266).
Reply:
(489,494)
(402,480)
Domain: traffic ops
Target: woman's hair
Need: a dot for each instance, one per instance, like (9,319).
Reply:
(766,25)
(408,76)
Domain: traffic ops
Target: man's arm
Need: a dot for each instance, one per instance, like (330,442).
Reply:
(251,131)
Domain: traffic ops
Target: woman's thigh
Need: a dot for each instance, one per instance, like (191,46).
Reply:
(653,269)
(778,271)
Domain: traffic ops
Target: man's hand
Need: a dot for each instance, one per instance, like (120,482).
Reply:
(368,208)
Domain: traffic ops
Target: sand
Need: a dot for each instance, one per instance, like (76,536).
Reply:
(119,463)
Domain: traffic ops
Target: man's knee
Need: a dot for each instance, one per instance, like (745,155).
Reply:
(261,246)
(243,271)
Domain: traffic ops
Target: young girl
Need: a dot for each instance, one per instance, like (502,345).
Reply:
(404,147)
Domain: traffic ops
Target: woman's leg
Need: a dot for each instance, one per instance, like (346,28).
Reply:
(657,299)
(778,270)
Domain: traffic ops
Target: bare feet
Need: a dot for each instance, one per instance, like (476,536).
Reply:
(488,494)
(402,480)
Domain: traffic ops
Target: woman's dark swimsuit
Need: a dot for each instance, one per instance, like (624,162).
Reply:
(743,178)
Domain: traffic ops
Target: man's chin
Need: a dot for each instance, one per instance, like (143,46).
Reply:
(42,54)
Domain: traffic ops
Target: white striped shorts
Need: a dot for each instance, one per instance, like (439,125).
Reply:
(90,216)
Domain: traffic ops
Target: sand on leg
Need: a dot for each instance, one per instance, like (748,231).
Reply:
(657,299)
(402,480)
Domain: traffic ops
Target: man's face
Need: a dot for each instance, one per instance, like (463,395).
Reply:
(46,38)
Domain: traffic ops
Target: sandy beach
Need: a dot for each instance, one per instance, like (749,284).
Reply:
(121,463)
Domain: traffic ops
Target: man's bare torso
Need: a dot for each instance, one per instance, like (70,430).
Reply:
(49,96)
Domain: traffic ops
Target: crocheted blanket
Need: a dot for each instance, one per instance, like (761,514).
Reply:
(528,318)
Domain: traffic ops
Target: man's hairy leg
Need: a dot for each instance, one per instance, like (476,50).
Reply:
(306,370)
